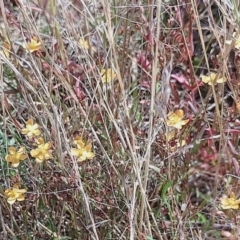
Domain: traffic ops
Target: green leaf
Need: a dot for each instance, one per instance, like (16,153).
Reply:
(165,189)
(201,217)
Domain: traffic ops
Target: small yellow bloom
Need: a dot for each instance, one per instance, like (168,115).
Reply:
(31,129)
(14,157)
(42,152)
(237,43)
(15,194)
(33,45)
(174,119)
(230,203)
(83,151)
(107,75)
(82,43)
(211,79)
(6,47)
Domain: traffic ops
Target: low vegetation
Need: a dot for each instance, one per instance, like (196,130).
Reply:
(119,119)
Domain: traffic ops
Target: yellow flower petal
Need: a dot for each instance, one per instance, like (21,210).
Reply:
(108,75)
(89,155)
(11,200)
(179,113)
(8,158)
(40,141)
(47,146)
(181,123)
(88,147)
(15,194)
(212,78)
(174,119)
(14,157)
(75,152)
(79,142)
(31,129)
(12,150)
(7,192)
(221,80)
(83,151)
(206,79)
(38,160)
(230,203)
(15,164)
(22,156)
(237,41)
(19,191)
(42,152)
(181,143)
(85,155)
(230,206)
(82,43)
(30,122)
(34,152)
(21,198)
(33,45)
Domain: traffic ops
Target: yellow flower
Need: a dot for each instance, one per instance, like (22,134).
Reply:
(32,129)
(14,157)
(83,151)
(107,75)
(33,46)
(79,142)
(237,43)
(82,43)
(230,203)
(42,152)
(5,49)
(211,79)
(174,119)
(15,194)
